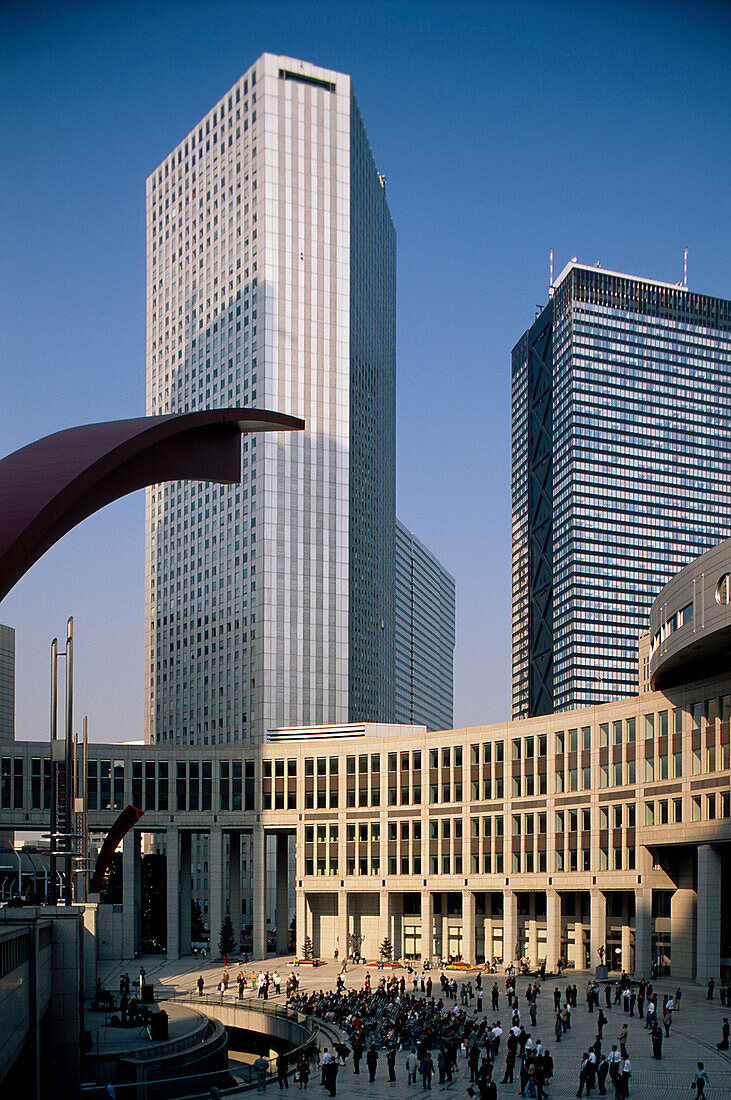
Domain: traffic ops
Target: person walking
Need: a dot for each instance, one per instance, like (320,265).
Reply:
(700,1081)
(723,1045)
(303,1070)
(199,985)
(391,1063)
(357,1054)
(584,1075)
(412,1067)
(372,1062)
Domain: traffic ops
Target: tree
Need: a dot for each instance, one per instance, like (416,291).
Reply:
(226,941)
(308,951)
(386,949)
(197,927)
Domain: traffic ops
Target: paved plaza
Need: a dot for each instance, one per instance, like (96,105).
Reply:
(695,1031)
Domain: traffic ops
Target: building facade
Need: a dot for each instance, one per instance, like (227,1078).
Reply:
(271,283)
(7,683)
(545,839)
(424,635)
(621,450)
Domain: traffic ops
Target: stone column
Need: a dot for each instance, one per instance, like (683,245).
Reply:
(172,867)
(131,892)
(283,896)
(384,922)
(215,887)
(683,930)
(259,915)
(510,926)
(626,945)
(643,932)
(341,936)
(532,933)
(234,884)
(468,926)
(427,925)
(300,921)
(185,892)
(489,951)
(579,956)
(598,927)
(708,949)
(553,929)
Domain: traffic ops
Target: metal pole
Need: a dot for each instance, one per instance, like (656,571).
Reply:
(84,880)
(54,722)
(68,857)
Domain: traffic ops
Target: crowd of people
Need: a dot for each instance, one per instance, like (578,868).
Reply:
(440,1023)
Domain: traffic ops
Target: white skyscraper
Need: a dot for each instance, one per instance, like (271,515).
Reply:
(271,283)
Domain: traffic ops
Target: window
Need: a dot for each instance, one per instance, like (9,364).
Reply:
(586,737)
(649,726)
(695,808)
(603,735)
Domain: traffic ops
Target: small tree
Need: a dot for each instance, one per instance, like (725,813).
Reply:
(226,941)
(197,927)
(308,951)
(386,949)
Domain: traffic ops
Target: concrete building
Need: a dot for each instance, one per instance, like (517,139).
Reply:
(547,838)
(425,635)
(271,281)
(621,449)
(7,683)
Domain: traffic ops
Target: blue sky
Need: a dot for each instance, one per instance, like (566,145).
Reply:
(601,129)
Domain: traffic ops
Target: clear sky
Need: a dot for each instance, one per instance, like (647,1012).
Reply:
(602,129)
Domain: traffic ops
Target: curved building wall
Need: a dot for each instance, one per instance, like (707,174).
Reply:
(690,621)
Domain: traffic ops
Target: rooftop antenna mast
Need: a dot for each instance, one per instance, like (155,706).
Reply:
(550,274)
(685,268)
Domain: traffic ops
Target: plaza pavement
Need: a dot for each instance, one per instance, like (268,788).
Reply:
(695,1031)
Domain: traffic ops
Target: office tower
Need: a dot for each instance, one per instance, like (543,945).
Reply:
(271,283)
(621,447)
(7,683)
(424,633)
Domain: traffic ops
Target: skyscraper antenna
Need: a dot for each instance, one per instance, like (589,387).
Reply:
(685,268)
(550,274)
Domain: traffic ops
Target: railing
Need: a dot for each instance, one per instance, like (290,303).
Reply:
(318,1029)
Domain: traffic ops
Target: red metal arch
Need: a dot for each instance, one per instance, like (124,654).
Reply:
(53,484)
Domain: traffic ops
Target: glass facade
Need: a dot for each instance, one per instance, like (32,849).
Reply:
(271,283)
(640,441)
(425,634)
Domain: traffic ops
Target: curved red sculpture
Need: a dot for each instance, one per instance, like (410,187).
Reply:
(53,484)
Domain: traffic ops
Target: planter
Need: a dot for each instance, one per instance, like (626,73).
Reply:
(307,962)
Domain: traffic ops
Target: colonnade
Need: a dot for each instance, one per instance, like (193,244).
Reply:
(222,869)
(538,925)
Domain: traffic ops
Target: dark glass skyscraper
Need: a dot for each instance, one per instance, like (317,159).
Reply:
(621,461)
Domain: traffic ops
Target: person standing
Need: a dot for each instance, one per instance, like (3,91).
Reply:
(282,1071)
(199,985)
(372,1062)
(723,1045)
(357,1054)
(412,1066)
(601,1074)
(656,1037)
(261,1065)
(625,1077)
(426,1069)
(303,1070)
(391,1063)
